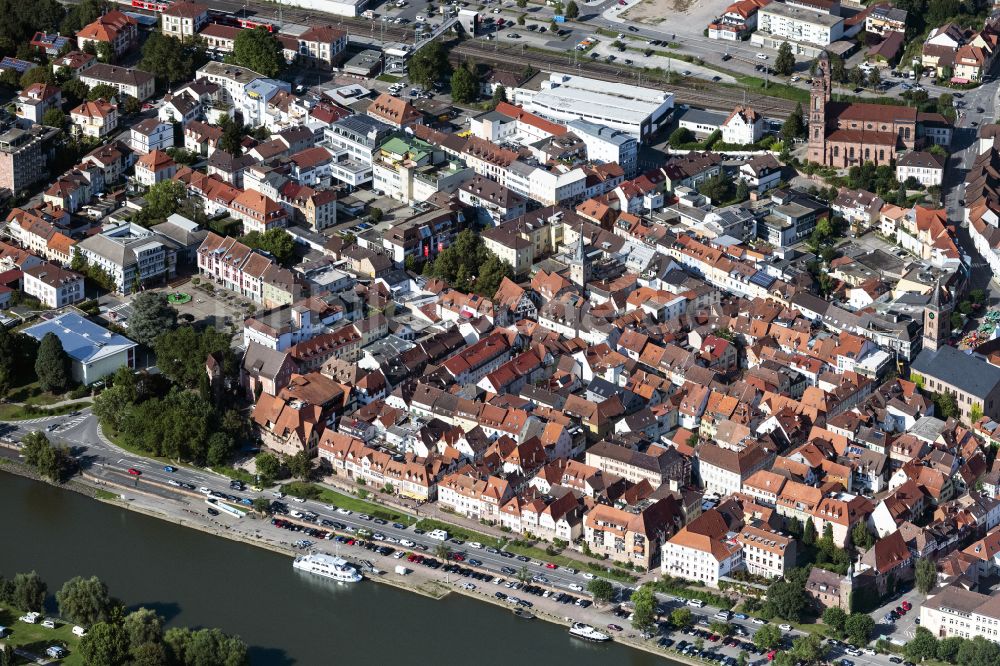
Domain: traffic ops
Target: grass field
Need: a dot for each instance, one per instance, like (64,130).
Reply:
(10,412)
(340,500)
(36,638)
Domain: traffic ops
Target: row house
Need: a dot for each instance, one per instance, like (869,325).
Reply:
(474,498)
(634,534)
(410,477)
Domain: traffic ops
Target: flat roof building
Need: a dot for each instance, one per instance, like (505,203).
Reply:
(631,109)
(94,351)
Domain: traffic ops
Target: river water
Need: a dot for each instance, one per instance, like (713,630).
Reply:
(196,579)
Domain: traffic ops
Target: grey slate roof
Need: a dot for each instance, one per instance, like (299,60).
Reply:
(967,372)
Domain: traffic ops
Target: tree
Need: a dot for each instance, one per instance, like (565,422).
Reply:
(162,200)
(54,118)
(268,468)
(858,628)
(442,551)
(524,575)
(861,536)
(809,533)
(52,365)
(205,646)
(874,78)
(181,354)
(39,453)
(143,626)
(743,658)
(522,3)
(166,58)
(429,65)
(499,95)
(978,652)
(231,140)
(922,646)
(106,644)
(601,590)
(572,11)
(926,575)
(808,649)
(681,618)
(680,136)
(29,592)
(786,600)
(720,628)
(152,316)
(644,608)
(794,126)
(857,76)
(717,188)
(259,50)
(837,70)
(41,74)
(836,618)
(85,601)
(104,52)
(945,405)
(767,637)
(299,465)
(276,242)
(464,86)
(947,649)
(784,64)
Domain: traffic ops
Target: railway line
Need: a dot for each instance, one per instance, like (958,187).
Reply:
(508,57)
(512,58)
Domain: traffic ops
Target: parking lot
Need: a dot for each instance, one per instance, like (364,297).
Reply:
(902,626)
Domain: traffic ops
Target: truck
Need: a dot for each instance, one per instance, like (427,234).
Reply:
(401,570)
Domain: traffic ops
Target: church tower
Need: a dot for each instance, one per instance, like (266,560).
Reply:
(579,265)
(937,317)
(818,98)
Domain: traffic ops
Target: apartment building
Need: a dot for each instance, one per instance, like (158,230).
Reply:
(132,82)
(657,465)
(704,550)
(183,19)
(23,156)
(956,611)
(55,287)
(118,30)
(766,552)
(95,119)
(132,255)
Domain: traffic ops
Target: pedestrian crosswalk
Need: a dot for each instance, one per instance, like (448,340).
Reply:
(45,419)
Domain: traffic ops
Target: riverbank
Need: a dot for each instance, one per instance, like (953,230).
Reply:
(421,581)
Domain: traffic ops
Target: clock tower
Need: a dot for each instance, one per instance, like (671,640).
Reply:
(937,317)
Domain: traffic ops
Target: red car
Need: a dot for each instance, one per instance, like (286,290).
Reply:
(458,557)
(134,472)
(350,542)
(551,566)
(907,605)
(770,655)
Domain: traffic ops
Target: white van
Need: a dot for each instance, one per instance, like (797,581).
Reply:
(697,603)
(439,535)
(79,631)
(723,615)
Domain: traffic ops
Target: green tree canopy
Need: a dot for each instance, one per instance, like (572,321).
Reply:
(52,365)
(259,50)
(836,618)
(167,58)
(106,643)
(858,628)
(767,637)
(681,617)
(786,600)
(794,126)
(601,590)
(926,575)
(152,316)
(922,646)
(181,353)
(861,536)
(429,65)
(54,118)
(162,200)
(784,64)
(572,11)
(276,242)
(85,601)
(644,608)
(29,592)
(464,86)
(268,468)
(468,265)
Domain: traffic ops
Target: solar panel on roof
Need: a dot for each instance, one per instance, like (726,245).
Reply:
(762,279)
(20,66)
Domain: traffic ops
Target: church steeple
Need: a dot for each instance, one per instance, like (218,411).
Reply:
(819,96)
(937,316)
(579,265)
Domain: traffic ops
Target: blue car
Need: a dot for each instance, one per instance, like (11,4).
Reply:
(247,501)
(168,468)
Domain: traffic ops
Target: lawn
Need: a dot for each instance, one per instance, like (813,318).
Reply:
(36,638)
(457,532)
(388,78)
(314,491)
(9,412)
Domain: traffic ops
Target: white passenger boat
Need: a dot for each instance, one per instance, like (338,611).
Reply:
(328,566)
(587,633)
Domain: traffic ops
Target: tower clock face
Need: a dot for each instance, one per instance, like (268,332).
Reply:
(930,315)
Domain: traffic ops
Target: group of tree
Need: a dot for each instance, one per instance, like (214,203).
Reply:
(162,200)
(953,650)
(467,265)
(171,60)
(719,188)
(165,419)
(644,608)
(429,65)
(794,126)
(117,638)
(258,50)
(276,242)
(22,19)
(181,353)
(856,628)
(17,358)
(94,273)
(51,461)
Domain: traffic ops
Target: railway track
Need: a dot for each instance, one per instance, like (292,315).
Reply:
(712,96)
(510,57)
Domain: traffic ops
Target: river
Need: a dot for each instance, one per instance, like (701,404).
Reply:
(196,579)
